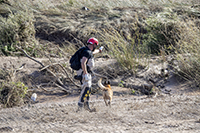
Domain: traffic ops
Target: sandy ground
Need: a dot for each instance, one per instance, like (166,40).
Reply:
(56,112)
(127,114)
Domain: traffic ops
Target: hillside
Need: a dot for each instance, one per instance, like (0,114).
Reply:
(142,39)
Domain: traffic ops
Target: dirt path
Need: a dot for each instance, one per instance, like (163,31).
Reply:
(128,114)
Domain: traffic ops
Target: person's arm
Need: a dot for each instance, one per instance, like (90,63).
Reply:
(83,65)
(97,51)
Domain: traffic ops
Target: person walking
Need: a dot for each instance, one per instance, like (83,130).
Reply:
(86,59)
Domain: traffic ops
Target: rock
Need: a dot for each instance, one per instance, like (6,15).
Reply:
(34,97)
(148,86)
(6,129)
(85,8)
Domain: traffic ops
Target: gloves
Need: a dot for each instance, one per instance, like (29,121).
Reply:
(100,49)
(87,77)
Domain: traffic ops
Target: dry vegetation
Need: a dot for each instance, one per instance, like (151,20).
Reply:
(142,38)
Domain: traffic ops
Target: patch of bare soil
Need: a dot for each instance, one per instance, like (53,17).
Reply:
(175,111)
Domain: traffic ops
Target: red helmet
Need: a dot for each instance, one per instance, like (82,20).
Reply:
(93,41)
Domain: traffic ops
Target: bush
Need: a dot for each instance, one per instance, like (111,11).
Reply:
(162,32)
(187,52)
(12,93)
(128,52)
(17,29)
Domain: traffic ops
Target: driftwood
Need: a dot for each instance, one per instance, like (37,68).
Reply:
(60,85)
(54,64)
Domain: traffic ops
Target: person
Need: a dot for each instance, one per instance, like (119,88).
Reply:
(87,64)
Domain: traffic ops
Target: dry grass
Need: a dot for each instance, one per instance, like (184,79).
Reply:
(53,28)
(12,93)
(188,51)
(126,50)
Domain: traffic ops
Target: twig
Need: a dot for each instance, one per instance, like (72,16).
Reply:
(30,57)
(40,86)
(63,70)
(63,86)
(46,84)
(68,91)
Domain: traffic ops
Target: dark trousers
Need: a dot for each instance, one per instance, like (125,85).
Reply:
(85,94)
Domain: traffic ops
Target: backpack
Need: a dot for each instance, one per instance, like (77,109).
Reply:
(75,62)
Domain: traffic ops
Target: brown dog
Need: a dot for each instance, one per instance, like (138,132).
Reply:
(107,91)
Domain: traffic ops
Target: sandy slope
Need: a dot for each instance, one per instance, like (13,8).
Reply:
(56,112)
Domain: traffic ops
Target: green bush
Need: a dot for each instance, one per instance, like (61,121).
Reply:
(12,94)
(17,29)
(162,32)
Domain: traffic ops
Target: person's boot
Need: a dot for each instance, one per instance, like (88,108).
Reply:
(80,107)
(86,106)
(78,77)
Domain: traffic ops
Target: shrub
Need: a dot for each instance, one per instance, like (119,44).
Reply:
(187,52)
(12,93)
(17,29)
(162,32)
(128,52)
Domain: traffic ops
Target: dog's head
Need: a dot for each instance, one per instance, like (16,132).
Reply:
(106,83)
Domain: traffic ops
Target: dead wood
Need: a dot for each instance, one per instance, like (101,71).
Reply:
(61,85)
(63,70)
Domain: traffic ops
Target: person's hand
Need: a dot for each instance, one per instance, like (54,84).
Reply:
(100,49)
(87,77)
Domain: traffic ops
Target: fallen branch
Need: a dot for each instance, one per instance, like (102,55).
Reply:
(63,70)
(46,84)
(29,56)
(62,85)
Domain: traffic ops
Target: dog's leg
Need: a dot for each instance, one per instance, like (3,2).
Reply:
(109,102)
(106,102)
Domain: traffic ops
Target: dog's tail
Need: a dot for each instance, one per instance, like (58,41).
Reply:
(101,85)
